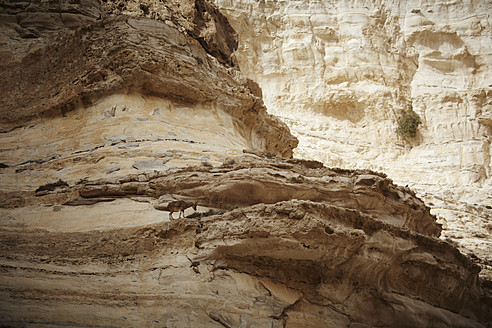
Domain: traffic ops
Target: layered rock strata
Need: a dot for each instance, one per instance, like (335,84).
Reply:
(103,253)
(111,110)
(341,73)
(87,62)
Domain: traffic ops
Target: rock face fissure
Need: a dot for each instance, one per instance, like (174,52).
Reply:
(341,73)
(119,118)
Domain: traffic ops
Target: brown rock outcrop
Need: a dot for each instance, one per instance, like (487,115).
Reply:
(254,181)
(269,262)
(87,62)
(199,19)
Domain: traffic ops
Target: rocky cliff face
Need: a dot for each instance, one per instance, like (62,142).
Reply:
(111,110)
(341,74)
(276,242)
(124,54)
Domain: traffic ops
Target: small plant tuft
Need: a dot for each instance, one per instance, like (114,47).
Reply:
(408,124)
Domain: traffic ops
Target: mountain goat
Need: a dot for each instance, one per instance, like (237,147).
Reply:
(179,206)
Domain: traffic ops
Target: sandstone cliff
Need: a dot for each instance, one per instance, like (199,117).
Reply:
(85,59)
(110,110)
(341,73)
(276,242)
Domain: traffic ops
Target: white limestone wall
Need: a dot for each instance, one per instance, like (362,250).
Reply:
(341,72)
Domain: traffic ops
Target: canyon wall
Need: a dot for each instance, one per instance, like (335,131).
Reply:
(112,110)
(341,74)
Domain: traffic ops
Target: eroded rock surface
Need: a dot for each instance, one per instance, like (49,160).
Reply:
(124,54)
(111,110)
(341,73)
(275,242)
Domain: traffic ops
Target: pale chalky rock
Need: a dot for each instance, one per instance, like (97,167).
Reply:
(341,73)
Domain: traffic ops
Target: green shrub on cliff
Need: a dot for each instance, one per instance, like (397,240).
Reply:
(408,124)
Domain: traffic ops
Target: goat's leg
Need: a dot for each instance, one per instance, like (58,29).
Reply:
(182,212)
